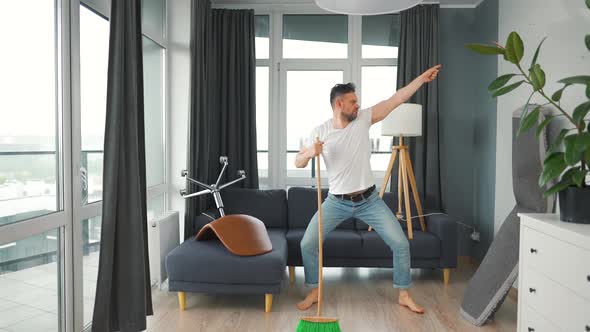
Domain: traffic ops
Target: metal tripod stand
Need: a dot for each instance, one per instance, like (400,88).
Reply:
(214,188)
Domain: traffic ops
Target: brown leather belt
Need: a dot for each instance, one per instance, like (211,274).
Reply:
(357,197)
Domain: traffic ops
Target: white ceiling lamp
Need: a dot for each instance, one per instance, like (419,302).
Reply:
(366,7)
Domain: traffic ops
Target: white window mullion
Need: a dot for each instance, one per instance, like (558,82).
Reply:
(275,109)
(73,233)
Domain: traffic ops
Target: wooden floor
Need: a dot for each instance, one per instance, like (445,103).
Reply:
(362,299)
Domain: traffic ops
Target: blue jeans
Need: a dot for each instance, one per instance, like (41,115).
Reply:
(372,211)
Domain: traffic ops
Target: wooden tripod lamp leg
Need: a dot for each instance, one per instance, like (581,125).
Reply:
(388,173)
(400,194)
(410,172)
(402,158)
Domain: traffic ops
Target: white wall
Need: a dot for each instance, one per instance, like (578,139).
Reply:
(178,102)
(565,23)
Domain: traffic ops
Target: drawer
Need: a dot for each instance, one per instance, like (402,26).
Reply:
(563,262)
(532,321)
(555,303)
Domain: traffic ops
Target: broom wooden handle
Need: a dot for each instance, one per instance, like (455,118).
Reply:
(320,246)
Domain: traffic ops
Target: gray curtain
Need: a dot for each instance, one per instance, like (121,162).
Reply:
(222,119)
(418,51)
(123,291)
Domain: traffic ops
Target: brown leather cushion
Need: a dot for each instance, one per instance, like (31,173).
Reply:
(241,234)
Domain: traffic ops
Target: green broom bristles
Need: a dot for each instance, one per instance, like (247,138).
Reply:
(306,326)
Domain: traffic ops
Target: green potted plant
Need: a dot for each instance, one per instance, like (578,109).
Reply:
(567,168)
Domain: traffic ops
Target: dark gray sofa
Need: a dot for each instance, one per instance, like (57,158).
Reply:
(207,267)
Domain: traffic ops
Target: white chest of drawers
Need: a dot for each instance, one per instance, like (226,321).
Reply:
(554,275)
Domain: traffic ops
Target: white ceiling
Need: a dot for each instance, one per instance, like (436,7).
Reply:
(443,3)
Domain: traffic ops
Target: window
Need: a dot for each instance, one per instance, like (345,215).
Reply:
(315,36)
(153,18)
(94,58)
(379,50)
(153,92)
(91,229)
(30,155)
(262,45)
(262,77)
(29,283)
(378,83)
(315,54)
(262,38)
(52,123)
(380,36)
(308,105)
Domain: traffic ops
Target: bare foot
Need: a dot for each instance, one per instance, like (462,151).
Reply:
(310,299)
(406,301)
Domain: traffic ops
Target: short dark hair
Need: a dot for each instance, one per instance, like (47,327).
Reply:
(339,90)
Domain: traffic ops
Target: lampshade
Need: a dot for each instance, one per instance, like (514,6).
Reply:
(366,7)
(406,120)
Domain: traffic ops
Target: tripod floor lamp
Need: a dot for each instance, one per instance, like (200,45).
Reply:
(405,121)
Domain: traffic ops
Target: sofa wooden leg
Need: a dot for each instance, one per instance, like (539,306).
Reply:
(267,302)
(446,275)
(291,275)
(182,300)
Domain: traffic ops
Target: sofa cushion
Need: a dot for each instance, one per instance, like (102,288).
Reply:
(341,243)
(270,206)
(390,200)
(423,245)
(210,262)
(303,204)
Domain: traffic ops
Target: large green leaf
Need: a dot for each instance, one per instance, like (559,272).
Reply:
(587,39)
(507,89)
(575,147)
(579,176)
(553,166)
(588,90)
(557,94)
(588,3)
(514,48)
(536,54)
(558,140)
(580,112)
(571,157)
(580,79)
(485,49)
(500,81)
(537,76)
(529,121)
(543,125)
(557,188)
(575,175)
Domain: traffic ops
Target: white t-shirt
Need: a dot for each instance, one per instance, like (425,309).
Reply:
(347,153)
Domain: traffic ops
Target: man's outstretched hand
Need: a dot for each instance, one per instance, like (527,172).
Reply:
(429,75)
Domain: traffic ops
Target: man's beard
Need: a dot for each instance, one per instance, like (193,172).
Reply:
(349,117)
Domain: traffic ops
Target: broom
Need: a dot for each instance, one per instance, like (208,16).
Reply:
(319,323)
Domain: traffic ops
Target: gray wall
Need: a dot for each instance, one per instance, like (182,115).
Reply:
(468,122)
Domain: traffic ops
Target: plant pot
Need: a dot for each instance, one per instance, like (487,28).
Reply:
(574,205)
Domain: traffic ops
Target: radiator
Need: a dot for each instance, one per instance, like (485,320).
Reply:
(163,236)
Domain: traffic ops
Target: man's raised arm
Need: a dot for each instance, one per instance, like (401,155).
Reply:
(382,109)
